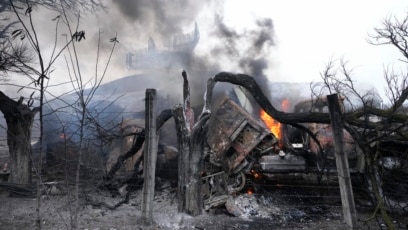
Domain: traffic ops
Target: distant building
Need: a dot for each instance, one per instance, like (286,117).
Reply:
(177,51)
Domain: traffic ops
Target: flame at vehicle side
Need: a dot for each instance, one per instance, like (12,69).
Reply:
(273,125)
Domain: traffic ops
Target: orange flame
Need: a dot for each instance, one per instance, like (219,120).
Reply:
(285,105)
(273,125)
(256,175)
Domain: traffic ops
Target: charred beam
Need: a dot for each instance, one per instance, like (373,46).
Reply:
(250,84)
(164,116)
(138,143)
(353,118)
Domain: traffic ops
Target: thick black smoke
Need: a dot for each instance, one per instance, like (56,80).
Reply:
(166,17)
(249,49)
(228,38)
(134,21)
(163,19)
(226,47)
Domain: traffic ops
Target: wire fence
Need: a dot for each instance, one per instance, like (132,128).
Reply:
(291,201)
(298,201)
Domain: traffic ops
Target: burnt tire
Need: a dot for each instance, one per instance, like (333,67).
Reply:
(236,182)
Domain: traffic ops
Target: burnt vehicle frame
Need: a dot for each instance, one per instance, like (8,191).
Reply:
(242,148)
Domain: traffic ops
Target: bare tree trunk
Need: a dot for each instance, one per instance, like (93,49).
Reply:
(18,140)
(191,149)
(191,139)
(184,149)
(188,111)
(194,198)
(373,179)
(376,186)
(19,118)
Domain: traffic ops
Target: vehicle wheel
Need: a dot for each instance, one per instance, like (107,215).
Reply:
(236,182)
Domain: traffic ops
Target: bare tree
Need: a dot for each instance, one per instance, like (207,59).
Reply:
(21,52)
(20,47)
(84,99)
(378,129)
(366,121)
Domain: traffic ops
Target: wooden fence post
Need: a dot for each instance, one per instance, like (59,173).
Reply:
(343,172)
(150,157)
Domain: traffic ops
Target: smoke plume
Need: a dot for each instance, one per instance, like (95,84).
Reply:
(165,17)
(249,49)
(222,47)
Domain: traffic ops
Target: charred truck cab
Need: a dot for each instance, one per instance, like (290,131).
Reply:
(236,144)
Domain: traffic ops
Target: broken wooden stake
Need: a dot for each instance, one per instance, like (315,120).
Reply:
(150,157)
(346,191)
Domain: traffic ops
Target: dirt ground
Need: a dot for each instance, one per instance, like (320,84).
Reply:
(255,212)
(268,208)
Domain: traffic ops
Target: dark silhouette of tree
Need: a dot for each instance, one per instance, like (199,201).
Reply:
(19,118)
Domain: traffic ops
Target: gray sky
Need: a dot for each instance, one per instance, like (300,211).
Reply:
(309,33)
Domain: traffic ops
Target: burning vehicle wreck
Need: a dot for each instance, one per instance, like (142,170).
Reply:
(238,143)
(242,148)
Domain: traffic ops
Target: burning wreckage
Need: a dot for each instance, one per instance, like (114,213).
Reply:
(242,149)
(243,145)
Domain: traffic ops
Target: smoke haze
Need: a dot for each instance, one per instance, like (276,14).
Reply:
(222,46)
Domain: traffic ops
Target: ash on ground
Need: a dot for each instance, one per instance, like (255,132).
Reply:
(272,209)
